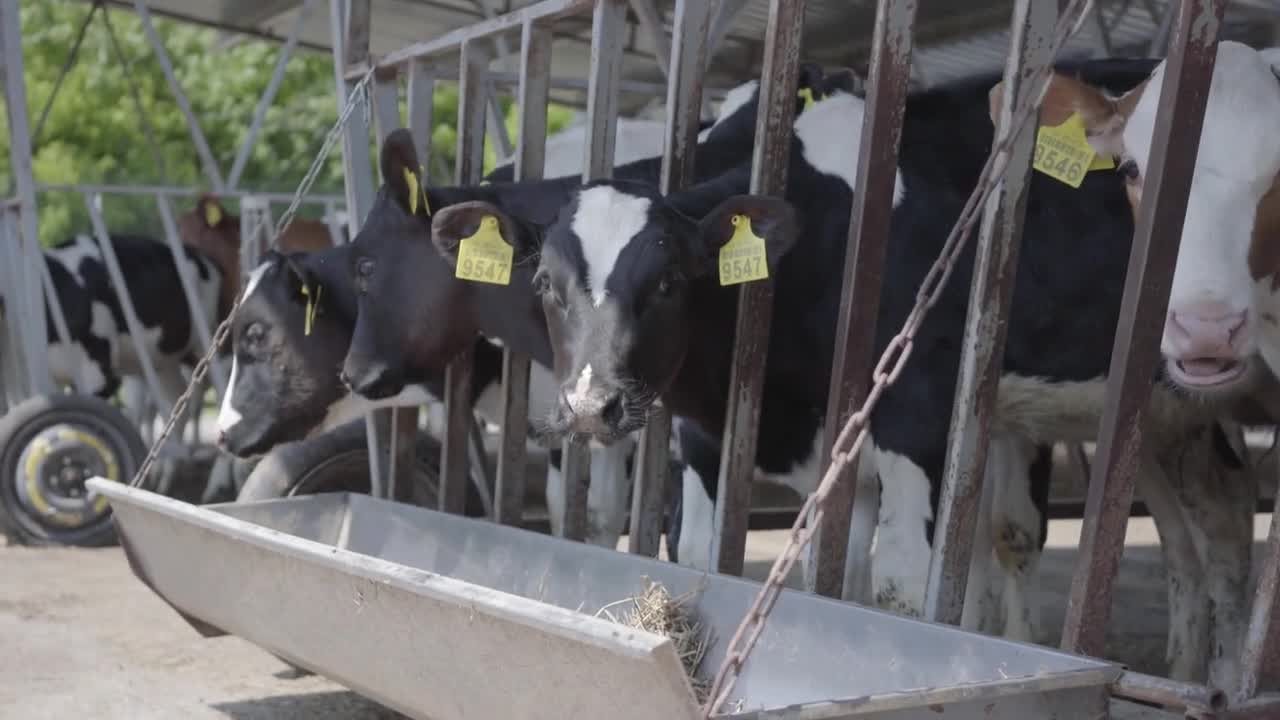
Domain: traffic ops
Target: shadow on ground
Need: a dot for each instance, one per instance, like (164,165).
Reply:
(335,705)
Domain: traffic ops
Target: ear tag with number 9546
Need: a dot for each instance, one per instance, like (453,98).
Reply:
(742,259)
(1063,152)
(485,256)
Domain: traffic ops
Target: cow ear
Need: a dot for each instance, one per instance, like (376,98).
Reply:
(461,220)
(1104,116)
(772,219)
(402,174)
(809,86)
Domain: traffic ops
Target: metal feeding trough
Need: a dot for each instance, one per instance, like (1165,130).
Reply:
(446,618)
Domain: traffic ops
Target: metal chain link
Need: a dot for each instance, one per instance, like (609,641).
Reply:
(886,372)
(356,97)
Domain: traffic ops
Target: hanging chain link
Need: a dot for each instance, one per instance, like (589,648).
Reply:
(356,97)
(849,443)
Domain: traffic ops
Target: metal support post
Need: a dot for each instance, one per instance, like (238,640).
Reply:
(982,352)
(755,300)
(1185,90)
(198,319)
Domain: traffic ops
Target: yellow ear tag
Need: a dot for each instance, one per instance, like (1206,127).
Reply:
(806,94)
(742,259)
(313,306)
(1064,153)
(411,179)
(212,214)
(485,256)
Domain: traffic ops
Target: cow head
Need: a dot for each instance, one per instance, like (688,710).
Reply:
(622,274)
(284,373)
(209,228)
(1229,239)
(414,315)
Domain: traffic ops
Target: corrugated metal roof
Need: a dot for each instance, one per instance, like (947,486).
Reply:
(954,38)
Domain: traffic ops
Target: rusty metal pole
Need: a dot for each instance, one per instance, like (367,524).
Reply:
(535,74)
(608,26)
(473,66)
(684,109)
(982,352)
(755,299)
(1260,644)
(1185,90)
(870,217)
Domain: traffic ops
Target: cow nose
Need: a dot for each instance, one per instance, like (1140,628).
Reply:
(1207,331)
(591,409)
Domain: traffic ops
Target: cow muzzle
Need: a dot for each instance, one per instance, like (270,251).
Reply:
(1207,344)
(590,406)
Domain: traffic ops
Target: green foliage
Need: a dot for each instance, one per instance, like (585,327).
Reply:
(94,133)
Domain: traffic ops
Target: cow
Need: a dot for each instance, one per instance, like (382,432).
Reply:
(209,228)
(100,352)
(636,313)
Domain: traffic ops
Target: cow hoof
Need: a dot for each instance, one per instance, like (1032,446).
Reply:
(49,446)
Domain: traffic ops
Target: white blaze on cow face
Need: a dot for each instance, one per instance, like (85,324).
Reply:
(605,221)
(228,416)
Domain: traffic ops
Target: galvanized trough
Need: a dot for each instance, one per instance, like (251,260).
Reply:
(446,618)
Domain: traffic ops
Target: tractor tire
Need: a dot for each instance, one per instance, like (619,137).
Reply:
(49,446)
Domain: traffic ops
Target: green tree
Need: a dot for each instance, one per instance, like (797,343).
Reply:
(94,133)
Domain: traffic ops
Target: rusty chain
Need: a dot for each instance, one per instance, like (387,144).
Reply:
(886,373)
(357,96)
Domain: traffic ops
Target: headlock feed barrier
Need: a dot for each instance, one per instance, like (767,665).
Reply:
(453,597)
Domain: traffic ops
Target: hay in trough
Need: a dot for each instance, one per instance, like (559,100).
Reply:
(655,610)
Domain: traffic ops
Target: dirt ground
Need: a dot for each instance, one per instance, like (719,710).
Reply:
(82,638)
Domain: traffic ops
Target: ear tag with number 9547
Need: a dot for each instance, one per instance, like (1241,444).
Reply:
(742,259)
(485,256)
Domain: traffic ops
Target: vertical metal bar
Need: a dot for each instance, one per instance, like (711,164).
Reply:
(1259,643)
(26,290)
(198,319)
(386,102)
(535,74)
(1185,90)
(472,81)
(59,320)
(982,353)
(684,104)
(16,380)
(870,218)
(207,160)
(269,94)
(136,332)
(350,40)
(755,300)
(421,91)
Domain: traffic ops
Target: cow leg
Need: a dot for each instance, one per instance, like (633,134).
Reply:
(862,530)
(697,522)
(901,566)
(555,494)
(1018,528)
(608,494)
(1217,495)
(1187,647)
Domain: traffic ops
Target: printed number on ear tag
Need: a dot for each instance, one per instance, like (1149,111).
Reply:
(1064,153)
(742,259)
(485,256)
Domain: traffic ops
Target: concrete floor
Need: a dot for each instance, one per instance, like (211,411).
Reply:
(82,638)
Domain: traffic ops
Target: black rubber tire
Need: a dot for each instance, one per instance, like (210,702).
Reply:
(338,461)
(34,415)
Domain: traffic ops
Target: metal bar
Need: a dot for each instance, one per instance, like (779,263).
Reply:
(135,96)
(207,160)
(386,103)
(198,319)
(1148,688)
(535,70)
(62,74)
(1259,643)
(986,322)
(112,263)
(543,11)
(684,104)
(59,319)
(28,306)
(421,90)
(176,191)
(454,472)
(269,94)
(755,300)
(14,377)
(723,23)
(497,127)
(1184,92)
(870,217)
(651,23)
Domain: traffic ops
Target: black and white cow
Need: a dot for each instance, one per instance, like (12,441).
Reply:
(629,282)
(100,352)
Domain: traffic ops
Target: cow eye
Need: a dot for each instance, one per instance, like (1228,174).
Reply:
(1129,169)
(364,268)
(253,334)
